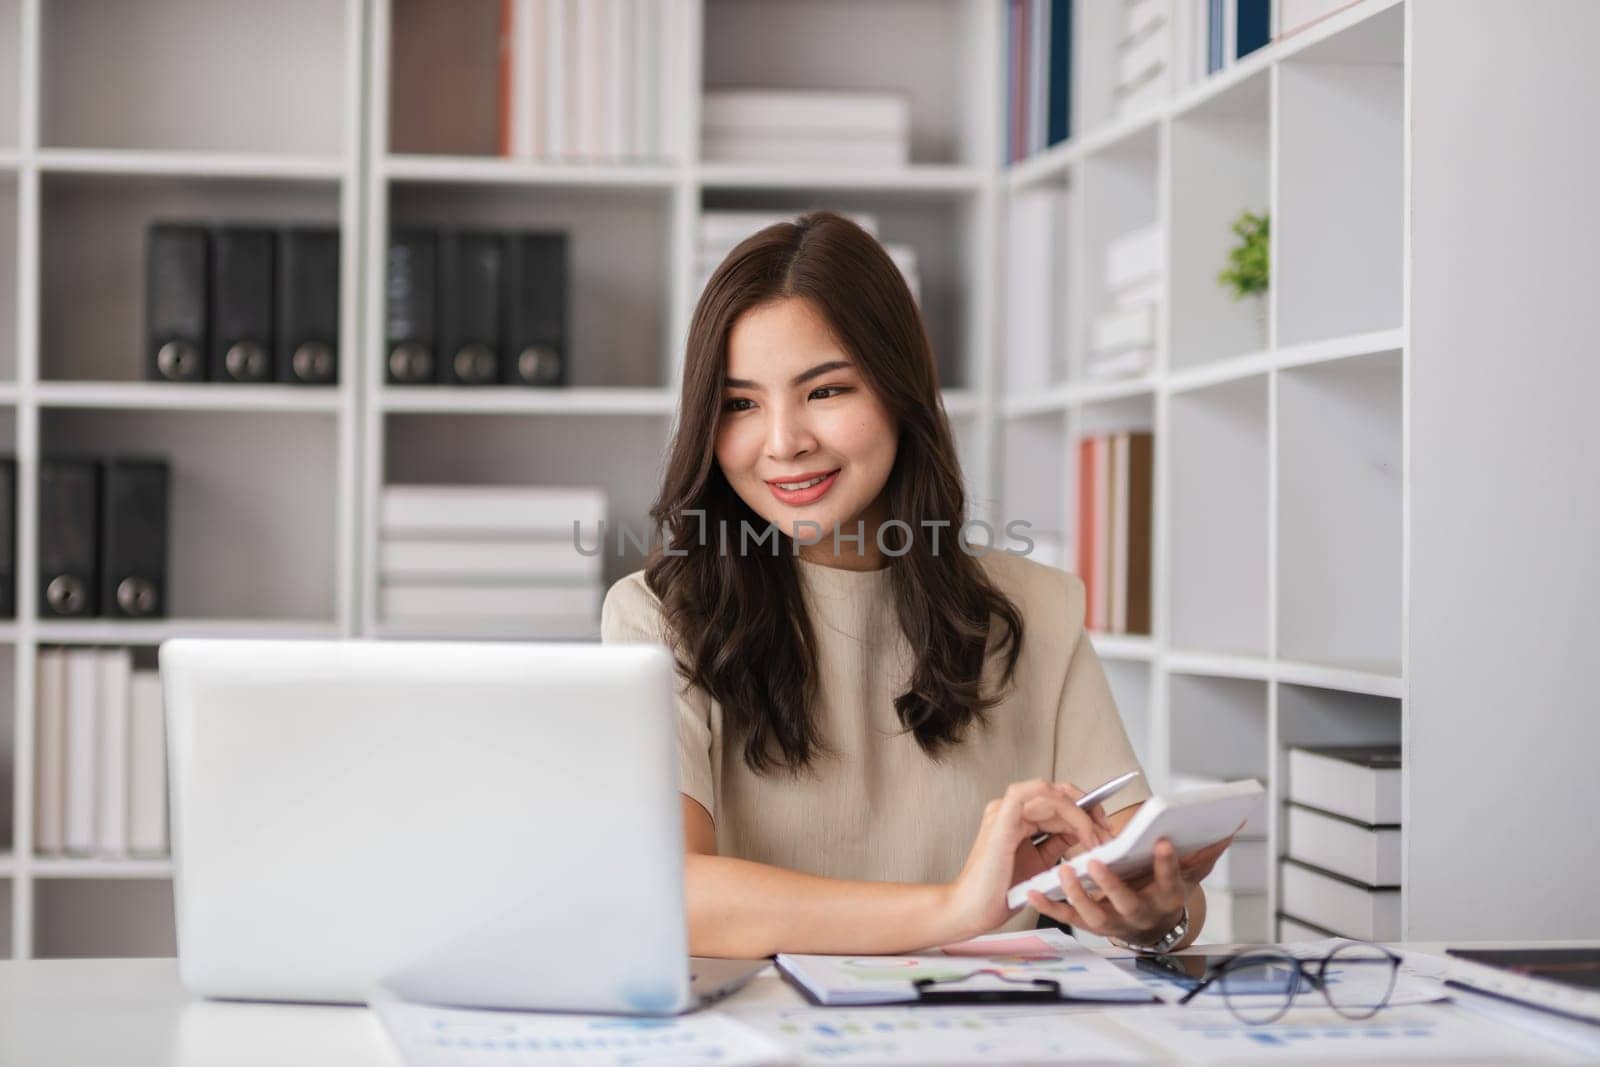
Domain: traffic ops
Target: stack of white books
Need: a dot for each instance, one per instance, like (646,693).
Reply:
(805,127)
(1236,888)
(101,782)
(1122,338)
(1341,871)
(721,231)
(581,79)
(491,561)
(1144,56)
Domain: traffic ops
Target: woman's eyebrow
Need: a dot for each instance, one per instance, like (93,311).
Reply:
(799,379)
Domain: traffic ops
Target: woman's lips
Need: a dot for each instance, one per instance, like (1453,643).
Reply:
(801,497)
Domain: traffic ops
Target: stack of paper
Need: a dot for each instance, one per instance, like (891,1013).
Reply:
(722,231)
(491,561)
(805,127)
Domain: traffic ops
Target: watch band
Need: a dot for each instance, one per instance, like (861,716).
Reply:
(1166,942)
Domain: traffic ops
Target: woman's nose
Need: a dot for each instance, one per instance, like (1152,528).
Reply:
(789,435)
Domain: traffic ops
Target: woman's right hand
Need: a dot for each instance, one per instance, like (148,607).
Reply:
(1002,853)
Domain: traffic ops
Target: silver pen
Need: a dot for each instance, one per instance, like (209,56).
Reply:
(1089,800)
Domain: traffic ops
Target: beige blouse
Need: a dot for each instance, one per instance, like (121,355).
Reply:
(880,809)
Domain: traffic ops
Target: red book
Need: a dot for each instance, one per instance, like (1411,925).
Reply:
(1087,527)
(507,74)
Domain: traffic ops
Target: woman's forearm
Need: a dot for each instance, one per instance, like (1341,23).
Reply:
(740,909)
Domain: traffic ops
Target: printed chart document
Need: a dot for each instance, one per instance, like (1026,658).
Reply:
(1395,1035)
(427,1036)
(1011,959)
(943,1036)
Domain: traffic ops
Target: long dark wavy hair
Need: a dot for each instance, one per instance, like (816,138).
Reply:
(737,622)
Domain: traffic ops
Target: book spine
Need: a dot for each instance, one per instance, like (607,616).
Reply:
(467,600)
(778,112)
(147,766)
(1339,904)
(49,815)
(1060,121)
(1086,526)
(506,82)
(111,792)
(557,79)
(445,508)
(416,559)
(1254,26)
(1141,530)
(1039,83)
(622,68)
(1119,534)
(1104,472)
(82,750)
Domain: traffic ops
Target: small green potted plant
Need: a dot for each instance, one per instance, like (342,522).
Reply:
(1249,269)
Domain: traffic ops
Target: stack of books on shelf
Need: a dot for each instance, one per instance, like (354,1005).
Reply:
(491,561)
(1212,35)
(1115,499)
(721,231)
(1122,338)
(1038,65)
(101,782)
(1236,888)
(1341,869)
(1144,53)
(808,127)
(581,79)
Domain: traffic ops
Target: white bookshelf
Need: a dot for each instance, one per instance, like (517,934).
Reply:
(1288,535)
(1287,539)
(111,116)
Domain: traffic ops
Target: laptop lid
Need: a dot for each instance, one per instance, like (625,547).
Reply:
(484,824)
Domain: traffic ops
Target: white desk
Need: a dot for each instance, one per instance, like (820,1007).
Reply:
(133,1013)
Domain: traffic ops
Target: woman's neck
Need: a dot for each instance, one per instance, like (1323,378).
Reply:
(856,548)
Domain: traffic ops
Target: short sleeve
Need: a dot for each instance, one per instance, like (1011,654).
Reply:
(1091,744)
(631,614)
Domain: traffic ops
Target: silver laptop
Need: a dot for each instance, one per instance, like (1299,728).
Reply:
(494,825)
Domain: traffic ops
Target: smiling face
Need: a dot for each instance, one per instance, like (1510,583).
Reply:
(801,437)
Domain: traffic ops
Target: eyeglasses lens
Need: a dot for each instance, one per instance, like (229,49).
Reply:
(1358,979)
(1258,987)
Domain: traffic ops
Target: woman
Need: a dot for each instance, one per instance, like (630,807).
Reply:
(875,720)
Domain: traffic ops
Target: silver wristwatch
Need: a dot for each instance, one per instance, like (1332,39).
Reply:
(1167,940)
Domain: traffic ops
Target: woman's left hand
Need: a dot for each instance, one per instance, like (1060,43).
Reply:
(1138,910)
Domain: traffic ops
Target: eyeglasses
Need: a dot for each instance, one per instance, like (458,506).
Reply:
(1258,986)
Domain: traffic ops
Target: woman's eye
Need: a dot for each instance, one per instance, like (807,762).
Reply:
(827,391)
(733,405)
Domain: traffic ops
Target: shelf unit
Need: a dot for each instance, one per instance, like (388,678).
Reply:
(102,130)
(1290,502)
(1289,539)
(1278,538)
